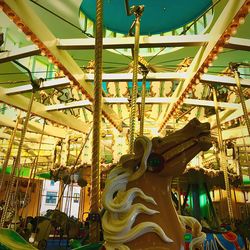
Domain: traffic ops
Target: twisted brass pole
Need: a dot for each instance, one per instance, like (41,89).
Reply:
(97,109)
(223,160)
(135,78)
(143,97)
(242,100)
(7,157)
(16,164)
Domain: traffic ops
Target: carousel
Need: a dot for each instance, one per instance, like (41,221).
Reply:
(124,125)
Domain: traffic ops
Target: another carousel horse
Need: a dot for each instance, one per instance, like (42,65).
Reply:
(69,174)
(137,195)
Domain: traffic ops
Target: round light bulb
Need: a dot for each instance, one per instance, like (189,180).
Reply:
(226,38)
(205,69)
(233,30)
(28,37)
(50,59)
(43,53)
(242,20)
(220,49)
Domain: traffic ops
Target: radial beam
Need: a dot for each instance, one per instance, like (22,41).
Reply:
(149,42)
(238,113)
(59,82)
(199,62)
(18,53)
(39,109)
(125,42)
(34,127)
(227,80)
(169,76)
(234,133)
(128,42)
(149,100)
(227,115)
(238,44)
(21,13)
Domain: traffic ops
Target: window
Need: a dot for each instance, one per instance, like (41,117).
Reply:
(51,197)
(52,183)
(76,197)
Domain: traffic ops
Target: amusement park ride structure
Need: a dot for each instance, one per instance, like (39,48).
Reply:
(79,118)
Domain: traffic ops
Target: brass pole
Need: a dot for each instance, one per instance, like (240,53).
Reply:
(223,160)
(16,164)
(7,157)
(143,97)
(242,99)
(97,109)
(34,168)
(138,14)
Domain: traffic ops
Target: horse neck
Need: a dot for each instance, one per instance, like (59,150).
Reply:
(159,188)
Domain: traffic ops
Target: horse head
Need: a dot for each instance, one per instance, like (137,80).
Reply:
(140,184)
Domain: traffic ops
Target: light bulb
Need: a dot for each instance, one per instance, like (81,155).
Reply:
(205,69)
(50,59)
(28,37)
(226,38)
(242,20)
(220,49)
(43,53)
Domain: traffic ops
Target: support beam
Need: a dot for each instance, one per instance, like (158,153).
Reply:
(149,42)
(196,68)
(21,12)
(226,80)
(125,42)
(169,76)
(34,127)
(39,109)
(15,54)
(227,115)
(149,100)
(234,133)
(238,44)
(128,42)
(60,82)
(238,113)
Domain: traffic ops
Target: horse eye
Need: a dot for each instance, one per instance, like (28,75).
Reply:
(155,163)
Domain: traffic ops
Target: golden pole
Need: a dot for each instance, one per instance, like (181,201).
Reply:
(242,99)
(143,97)
(7,157)
(223,160)
(138,13)
(34,168)
(97,108)
(16,164)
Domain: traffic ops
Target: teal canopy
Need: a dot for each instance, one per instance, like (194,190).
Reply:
(159,15)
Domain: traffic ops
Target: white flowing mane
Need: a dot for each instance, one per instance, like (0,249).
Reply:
(121,213)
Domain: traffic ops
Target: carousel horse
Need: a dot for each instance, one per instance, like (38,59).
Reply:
(137,196)
(227,240)
(38,229)
(69,174)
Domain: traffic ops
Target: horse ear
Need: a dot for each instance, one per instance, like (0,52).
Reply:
(142,149)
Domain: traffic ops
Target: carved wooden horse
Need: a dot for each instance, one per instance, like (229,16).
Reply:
(137,195)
